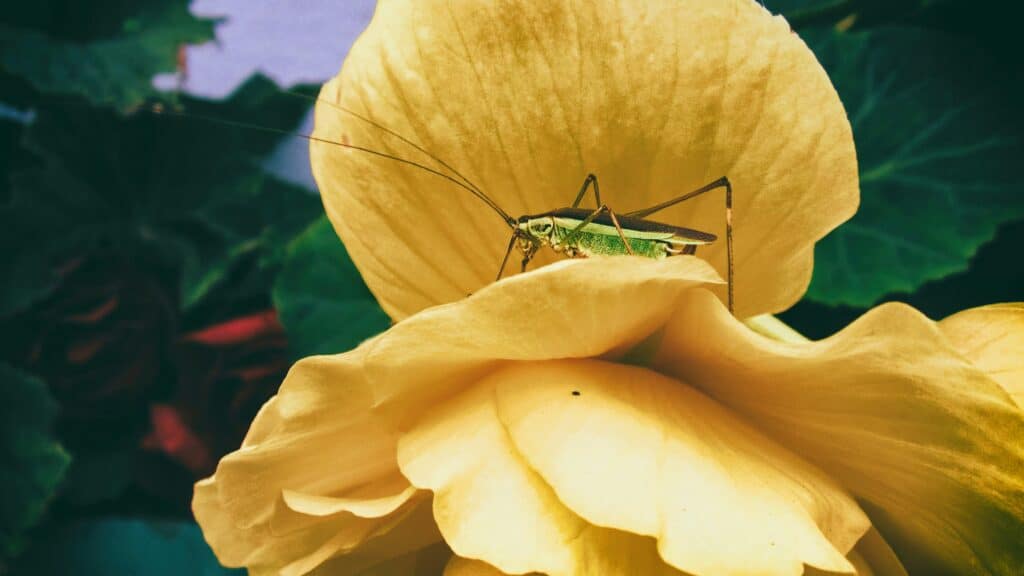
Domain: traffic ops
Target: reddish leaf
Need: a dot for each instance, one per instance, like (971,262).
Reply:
(173,437)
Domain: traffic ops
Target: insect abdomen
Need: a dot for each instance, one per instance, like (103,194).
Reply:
(591,244)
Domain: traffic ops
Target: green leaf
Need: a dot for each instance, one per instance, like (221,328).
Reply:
(123,547)
(252,231)
(321,298)
(32,463)
(114,69)
(938,162)
(146,186)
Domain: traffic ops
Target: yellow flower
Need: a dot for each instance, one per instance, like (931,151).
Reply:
(526,97)
(609,416)
(625,423)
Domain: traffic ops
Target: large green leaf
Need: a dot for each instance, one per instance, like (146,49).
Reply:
(123,547)
(145,185)
(107,55)
(32,463)
(321,298)
(938,162)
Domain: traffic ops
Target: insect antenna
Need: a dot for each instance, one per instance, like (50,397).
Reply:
(159,109)
(386,130)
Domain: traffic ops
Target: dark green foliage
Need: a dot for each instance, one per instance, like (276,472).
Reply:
(938,162)
(25,275)
(861,13)
(323,302)
(992,21)
(162,185)
(98,477)
(123,547)
(993,277)
(32,463)
(125,232)
(256,231)
(105,53)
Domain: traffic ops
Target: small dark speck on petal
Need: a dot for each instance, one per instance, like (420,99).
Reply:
(575,392)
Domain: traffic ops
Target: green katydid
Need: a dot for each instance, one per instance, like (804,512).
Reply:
(574,231)
(580,232)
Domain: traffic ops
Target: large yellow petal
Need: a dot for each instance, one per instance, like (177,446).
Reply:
(526,97)
(921,436)
(527,465)
(624,447)
(992,337)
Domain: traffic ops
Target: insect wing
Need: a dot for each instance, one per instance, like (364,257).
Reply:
(569,224)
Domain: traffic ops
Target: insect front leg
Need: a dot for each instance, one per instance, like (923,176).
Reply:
(590,179)
(508,252)
(603,208)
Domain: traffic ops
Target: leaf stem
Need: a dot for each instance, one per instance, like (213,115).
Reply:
(770,326)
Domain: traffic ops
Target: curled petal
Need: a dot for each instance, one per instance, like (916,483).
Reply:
(992,337)
(292,544)
(572,309)
(375,500)
(873,557)
(530,463)
(412,548)
(920,435)
(292,497)
(525,98)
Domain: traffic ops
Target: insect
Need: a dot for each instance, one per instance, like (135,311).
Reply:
(580,232)
(574,231)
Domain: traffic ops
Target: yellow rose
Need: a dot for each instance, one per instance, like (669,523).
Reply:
(609,416)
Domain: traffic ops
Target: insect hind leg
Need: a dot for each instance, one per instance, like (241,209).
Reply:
(591,179)
(722,182)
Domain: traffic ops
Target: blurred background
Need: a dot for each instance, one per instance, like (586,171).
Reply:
(160,274)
